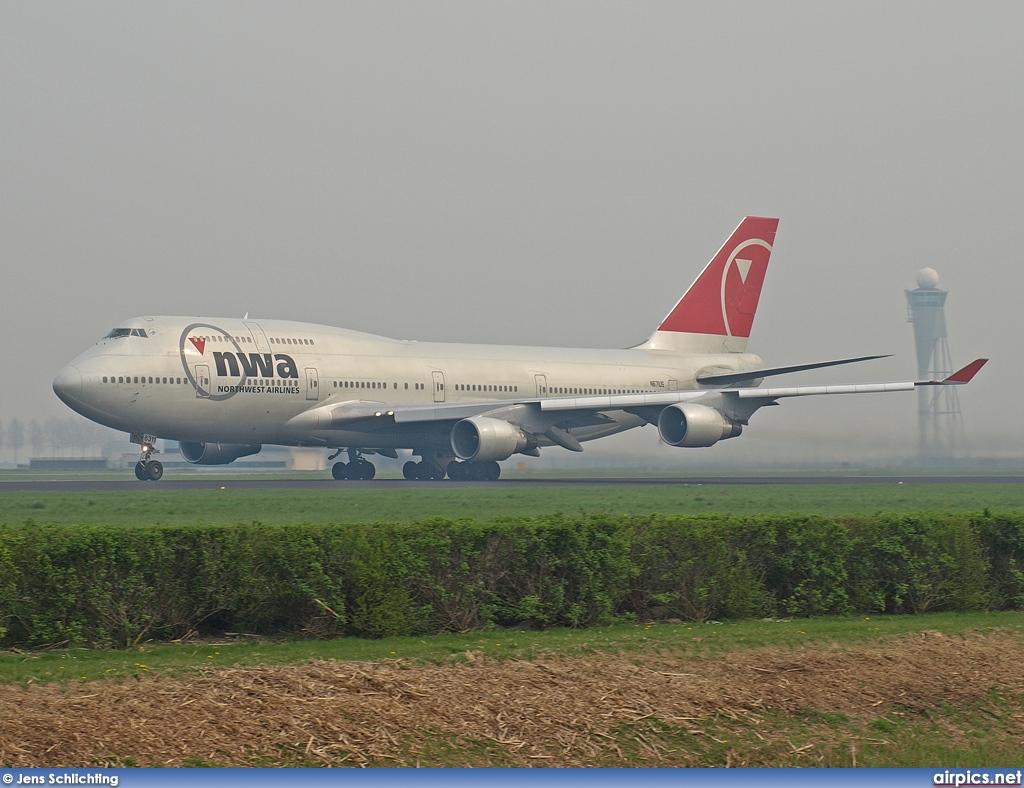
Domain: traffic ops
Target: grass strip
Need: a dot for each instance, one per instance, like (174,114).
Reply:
(148,506)
(689,639)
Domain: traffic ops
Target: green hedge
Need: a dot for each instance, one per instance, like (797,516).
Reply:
(115,586)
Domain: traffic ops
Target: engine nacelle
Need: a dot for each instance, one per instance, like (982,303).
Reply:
(691,425)
(483,439)
(215,453)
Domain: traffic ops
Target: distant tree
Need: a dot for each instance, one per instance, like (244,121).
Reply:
(35,436)
(16,436)
(53,437)
(2,434)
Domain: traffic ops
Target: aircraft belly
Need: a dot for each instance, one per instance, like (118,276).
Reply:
(620,421)
(406,436)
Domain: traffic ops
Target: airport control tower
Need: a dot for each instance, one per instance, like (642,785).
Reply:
(940,425)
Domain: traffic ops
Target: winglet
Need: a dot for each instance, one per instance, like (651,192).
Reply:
(964,375)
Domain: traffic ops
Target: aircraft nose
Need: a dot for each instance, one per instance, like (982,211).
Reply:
(68,384)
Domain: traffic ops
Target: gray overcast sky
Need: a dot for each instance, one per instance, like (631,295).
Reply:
(538,173)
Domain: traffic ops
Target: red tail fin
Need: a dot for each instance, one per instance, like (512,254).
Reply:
(724,298)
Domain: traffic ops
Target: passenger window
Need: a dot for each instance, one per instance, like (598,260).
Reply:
(406,385)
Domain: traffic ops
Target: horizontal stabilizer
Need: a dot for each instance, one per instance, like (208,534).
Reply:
(729,378)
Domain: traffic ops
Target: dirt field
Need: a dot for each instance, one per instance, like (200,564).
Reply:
(604,710)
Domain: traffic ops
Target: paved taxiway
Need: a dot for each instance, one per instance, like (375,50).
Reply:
(383,484)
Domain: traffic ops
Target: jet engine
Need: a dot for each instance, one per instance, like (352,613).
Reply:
(483,439)
(215,453)
(691,425)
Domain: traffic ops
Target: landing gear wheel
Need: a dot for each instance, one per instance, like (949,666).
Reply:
(339,471)
(140,471)
(154,470)
(455,471)
(362,470)
(435,472)
(411,471)
(491,471)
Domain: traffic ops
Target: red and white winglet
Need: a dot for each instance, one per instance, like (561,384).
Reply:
(961,376)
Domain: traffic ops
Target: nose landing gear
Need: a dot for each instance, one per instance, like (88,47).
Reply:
(148,469)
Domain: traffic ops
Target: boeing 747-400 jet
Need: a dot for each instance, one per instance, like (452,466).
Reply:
(223,387)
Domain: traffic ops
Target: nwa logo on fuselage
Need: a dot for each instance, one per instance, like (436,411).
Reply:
(255,365)
(233,363)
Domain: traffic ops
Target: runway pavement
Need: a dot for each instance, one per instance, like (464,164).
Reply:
(382,484)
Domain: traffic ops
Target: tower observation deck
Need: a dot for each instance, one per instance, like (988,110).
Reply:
(940,423)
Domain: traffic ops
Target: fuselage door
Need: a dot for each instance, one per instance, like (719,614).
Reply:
(202,380)
(262,345)
(542,385)
(438,386)
(672,385)
(312,384)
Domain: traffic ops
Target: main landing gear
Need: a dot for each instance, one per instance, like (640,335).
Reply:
(355,468)
(147,469)
(454,470)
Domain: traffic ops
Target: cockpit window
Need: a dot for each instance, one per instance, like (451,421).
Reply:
(117,333)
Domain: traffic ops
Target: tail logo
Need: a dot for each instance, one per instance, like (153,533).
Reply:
(723,299)
(738,301)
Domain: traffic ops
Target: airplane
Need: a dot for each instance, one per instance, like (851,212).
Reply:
(225,387)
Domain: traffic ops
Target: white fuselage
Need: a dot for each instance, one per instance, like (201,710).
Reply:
(234,381)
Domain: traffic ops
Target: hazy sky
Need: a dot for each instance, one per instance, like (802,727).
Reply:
(538,173)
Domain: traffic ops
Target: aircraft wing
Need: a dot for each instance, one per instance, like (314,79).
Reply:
(759,396)
(541,413)
(756,374)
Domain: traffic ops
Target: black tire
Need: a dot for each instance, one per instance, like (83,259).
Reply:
(410,471)
(455,471)
(154,470)
(140,471)
(436,472)
(491,471)
(367,470)
(339,471)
